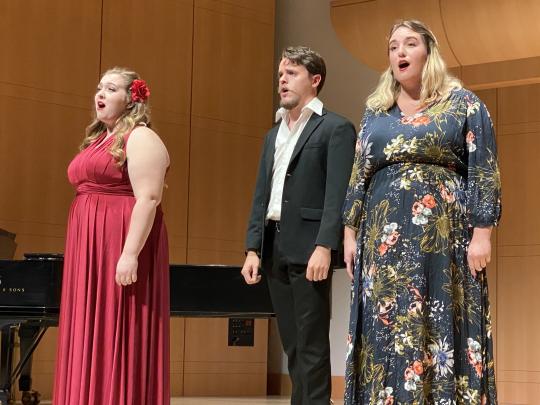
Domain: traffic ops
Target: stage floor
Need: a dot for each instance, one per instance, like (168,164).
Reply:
(228,401)
(235,401)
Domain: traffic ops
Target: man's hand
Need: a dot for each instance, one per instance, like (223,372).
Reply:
(250,270)
(479,251)
(349,250)
(318,265)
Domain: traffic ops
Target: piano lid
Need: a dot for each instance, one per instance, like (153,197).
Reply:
(33,286)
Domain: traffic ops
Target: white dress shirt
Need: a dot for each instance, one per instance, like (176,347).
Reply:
(285,142)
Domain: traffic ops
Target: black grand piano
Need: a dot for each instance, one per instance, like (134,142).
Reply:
(30,303)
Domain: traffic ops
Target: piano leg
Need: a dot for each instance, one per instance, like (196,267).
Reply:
(28,333)
(6,362)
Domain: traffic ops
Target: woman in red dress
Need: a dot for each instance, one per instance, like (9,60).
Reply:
(113,343)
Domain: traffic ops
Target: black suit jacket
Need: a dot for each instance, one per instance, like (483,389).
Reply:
(314,189)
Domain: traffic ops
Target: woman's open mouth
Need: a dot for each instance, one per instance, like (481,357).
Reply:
(403,65)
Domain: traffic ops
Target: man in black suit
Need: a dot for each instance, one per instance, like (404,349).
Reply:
(295,219)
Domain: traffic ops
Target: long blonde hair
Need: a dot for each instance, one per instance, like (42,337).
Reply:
(437,82)
(136,113)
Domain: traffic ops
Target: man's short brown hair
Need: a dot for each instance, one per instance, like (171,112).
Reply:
(311,60)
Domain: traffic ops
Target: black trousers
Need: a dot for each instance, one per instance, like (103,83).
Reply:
(303,315)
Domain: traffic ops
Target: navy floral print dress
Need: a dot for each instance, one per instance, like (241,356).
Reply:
(420,329)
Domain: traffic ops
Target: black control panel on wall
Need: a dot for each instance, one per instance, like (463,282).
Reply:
(241,332)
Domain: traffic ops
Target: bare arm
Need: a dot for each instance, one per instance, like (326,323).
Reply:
(147,163)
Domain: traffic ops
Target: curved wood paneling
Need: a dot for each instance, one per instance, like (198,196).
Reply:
(470,33)
(486,31)
(362,26)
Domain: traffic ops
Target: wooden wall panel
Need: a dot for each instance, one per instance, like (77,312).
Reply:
(470,29)
(519,106)
(51,45)
(233,61)
(213,368)
(362,26)
(515,72)
(518,246)
(176,137)
(488,55)
(233,52)
(34,154)
(519,109)
(222,177)
(520,226)
(233,67)
(46,82)
(155,39)
(519,355)
(465,30)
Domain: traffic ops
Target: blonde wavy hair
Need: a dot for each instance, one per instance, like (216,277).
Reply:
(136,113)
(437,82)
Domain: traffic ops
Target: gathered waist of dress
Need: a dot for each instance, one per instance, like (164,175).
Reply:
(105,189)
(427,167)
(412,172)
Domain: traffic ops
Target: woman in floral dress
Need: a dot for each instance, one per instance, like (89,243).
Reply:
(423,197)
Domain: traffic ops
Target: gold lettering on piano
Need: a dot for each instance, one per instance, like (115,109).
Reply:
(13,289)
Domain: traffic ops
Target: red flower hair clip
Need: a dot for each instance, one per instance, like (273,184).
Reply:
(139,91)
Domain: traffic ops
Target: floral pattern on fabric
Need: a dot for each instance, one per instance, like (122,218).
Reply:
(420,329)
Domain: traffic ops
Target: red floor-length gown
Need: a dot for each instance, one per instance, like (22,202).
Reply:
(113,343)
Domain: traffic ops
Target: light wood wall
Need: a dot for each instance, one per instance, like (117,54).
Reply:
(233,69)
(209,64)
(518,246)
(465,30)
(48,72)
(231,111)
(513,274)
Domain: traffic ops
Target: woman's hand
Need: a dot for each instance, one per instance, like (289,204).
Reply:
(479,251)
(126,269)
(349,250)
